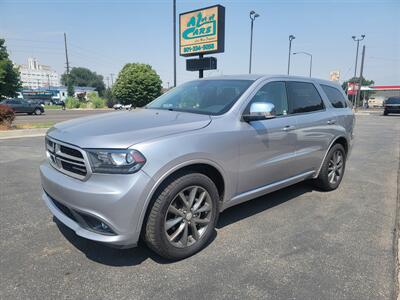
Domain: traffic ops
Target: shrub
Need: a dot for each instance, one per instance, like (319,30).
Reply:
(83,105)
(111,102)
(7,115)
(96,101)
(71,102)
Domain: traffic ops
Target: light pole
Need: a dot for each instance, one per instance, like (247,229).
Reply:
(253,16)
(291,38)
(306,53)
(174,37)
(356,39)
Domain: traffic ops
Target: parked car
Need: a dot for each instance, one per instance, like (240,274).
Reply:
(22,106)
(391,106)
(165,172)
(121,107)
(376,101)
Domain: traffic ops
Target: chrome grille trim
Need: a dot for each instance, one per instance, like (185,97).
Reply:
(57,157)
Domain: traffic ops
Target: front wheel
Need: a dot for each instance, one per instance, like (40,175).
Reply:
(332,170)
(183,217)
(38,111)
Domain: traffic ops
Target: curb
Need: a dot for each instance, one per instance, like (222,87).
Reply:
(21,133)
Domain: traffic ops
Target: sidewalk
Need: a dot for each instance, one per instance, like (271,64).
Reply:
(20,133)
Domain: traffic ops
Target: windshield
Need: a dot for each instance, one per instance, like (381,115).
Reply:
(211,97)
(393,100)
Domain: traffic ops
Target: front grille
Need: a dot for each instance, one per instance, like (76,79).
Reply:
(67,159)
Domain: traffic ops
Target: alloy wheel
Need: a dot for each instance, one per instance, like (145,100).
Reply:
(335,167)
(188,216)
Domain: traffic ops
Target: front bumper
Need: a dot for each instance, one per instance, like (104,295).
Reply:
(116,200)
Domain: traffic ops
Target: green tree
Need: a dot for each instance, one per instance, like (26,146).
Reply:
(70,88)
(137,84)
(84,77)
(9,76)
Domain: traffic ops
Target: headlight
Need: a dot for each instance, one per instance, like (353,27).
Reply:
(115,161)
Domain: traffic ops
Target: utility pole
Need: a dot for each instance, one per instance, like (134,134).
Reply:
(291,38)
(174,38)
(48,81)
(112,79)
(361,76)
(355,67)
(108,82)
(66,53)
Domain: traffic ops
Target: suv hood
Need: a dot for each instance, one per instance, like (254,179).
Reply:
(123,129)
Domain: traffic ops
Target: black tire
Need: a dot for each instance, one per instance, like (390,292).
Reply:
(38,111)
(323,181)
(155,233)
(385,113)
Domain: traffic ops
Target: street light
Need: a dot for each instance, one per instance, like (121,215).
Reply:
(306,53)
(253,16)
(291,38)
(356,39)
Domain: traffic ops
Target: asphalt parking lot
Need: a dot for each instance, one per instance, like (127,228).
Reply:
(57,115)
(297,243)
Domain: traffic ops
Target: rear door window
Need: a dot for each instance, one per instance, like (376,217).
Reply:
(303,97)
(335,96)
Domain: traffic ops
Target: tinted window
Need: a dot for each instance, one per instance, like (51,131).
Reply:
(303,97)
(211,97)
(335,96)
(393,100)
(14,102)
(275,93)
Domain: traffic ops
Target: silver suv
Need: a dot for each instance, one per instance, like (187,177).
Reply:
(164,172)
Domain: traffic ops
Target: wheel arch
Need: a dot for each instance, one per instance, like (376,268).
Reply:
(342,140)
(208,168)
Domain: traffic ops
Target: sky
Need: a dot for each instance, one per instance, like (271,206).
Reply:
(105,35)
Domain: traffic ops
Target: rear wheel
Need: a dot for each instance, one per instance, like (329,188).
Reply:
(183,217)
(332,170)
(38,111)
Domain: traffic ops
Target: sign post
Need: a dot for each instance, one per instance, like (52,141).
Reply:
(201,32)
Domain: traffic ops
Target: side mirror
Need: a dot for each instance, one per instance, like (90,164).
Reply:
(260,111)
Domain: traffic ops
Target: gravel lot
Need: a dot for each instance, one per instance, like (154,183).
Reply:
(295,243)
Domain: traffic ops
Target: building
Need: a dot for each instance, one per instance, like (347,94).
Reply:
(34,75)
(377,94)
(334,76)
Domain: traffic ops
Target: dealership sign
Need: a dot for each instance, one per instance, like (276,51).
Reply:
(202,31)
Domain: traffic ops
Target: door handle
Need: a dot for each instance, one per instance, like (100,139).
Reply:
(288,128)
(331,122)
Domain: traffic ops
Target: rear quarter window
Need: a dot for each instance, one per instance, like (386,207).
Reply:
(335,96)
